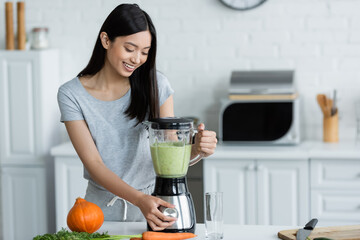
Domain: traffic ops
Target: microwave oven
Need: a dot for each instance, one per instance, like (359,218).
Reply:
(262,108)
(260,122)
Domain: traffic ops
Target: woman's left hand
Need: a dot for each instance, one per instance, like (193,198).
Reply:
(205,141)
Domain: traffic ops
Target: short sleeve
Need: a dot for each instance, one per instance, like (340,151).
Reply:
(69,108)
(165,90)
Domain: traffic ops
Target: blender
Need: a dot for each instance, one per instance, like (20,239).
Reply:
(170,145)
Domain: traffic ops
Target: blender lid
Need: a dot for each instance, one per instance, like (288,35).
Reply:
(171,123)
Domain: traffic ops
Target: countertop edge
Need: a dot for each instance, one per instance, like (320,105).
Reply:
(302,151)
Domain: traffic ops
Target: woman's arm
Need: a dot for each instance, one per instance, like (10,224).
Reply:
(167,109)
(86,149)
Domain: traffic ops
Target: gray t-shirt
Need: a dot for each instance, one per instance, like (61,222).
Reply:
(123,147)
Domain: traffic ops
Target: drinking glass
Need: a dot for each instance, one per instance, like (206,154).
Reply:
(214,215)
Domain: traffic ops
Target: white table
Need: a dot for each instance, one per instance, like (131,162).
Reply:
(231,232)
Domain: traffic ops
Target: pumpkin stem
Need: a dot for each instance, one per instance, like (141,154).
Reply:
(79,199)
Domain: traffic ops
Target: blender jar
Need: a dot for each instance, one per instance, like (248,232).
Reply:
(170,146)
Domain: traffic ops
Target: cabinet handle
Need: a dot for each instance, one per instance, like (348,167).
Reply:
(251,167)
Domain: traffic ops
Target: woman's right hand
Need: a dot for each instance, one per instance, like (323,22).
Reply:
(149,206)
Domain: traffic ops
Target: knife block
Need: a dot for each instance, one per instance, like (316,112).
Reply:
(331,128)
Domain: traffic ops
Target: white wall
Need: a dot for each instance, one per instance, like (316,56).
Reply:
(202,41)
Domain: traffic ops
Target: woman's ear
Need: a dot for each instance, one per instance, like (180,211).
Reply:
(105,41)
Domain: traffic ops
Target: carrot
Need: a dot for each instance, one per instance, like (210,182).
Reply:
(134,238)
(166,236)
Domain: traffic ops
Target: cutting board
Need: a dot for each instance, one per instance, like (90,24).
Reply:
(336,233)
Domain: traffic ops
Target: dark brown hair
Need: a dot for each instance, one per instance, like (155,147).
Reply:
(127,19)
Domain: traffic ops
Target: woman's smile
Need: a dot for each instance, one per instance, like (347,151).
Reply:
(129,67)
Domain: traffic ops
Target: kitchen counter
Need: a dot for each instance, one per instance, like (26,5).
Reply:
(231,232)
(308,173)
(304,150)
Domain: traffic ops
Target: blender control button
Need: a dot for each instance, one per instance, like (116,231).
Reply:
(171,212)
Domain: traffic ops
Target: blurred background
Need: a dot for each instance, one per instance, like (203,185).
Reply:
(201,42)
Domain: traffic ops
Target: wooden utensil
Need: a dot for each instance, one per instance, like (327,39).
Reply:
(322,101)
(10,43)
(326,105)
(21,25)
(338,233)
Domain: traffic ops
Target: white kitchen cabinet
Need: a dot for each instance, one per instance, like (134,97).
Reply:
(283,192)
(24,203)
(335,191)
(69,181)
(236,179)
(29,113)
(267,192)
(29,127)
(69,185)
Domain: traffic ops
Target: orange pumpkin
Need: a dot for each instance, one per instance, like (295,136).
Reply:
(85,216)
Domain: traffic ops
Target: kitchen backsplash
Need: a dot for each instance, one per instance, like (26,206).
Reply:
(200,42)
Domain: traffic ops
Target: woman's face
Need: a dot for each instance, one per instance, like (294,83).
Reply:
(127,53)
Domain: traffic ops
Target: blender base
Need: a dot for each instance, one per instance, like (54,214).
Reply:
(175,191)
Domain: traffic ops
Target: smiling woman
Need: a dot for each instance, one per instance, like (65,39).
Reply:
(103,109)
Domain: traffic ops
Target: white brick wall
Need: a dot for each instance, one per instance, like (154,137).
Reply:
(202,41)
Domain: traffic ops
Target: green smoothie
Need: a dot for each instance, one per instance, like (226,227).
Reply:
(170,159)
